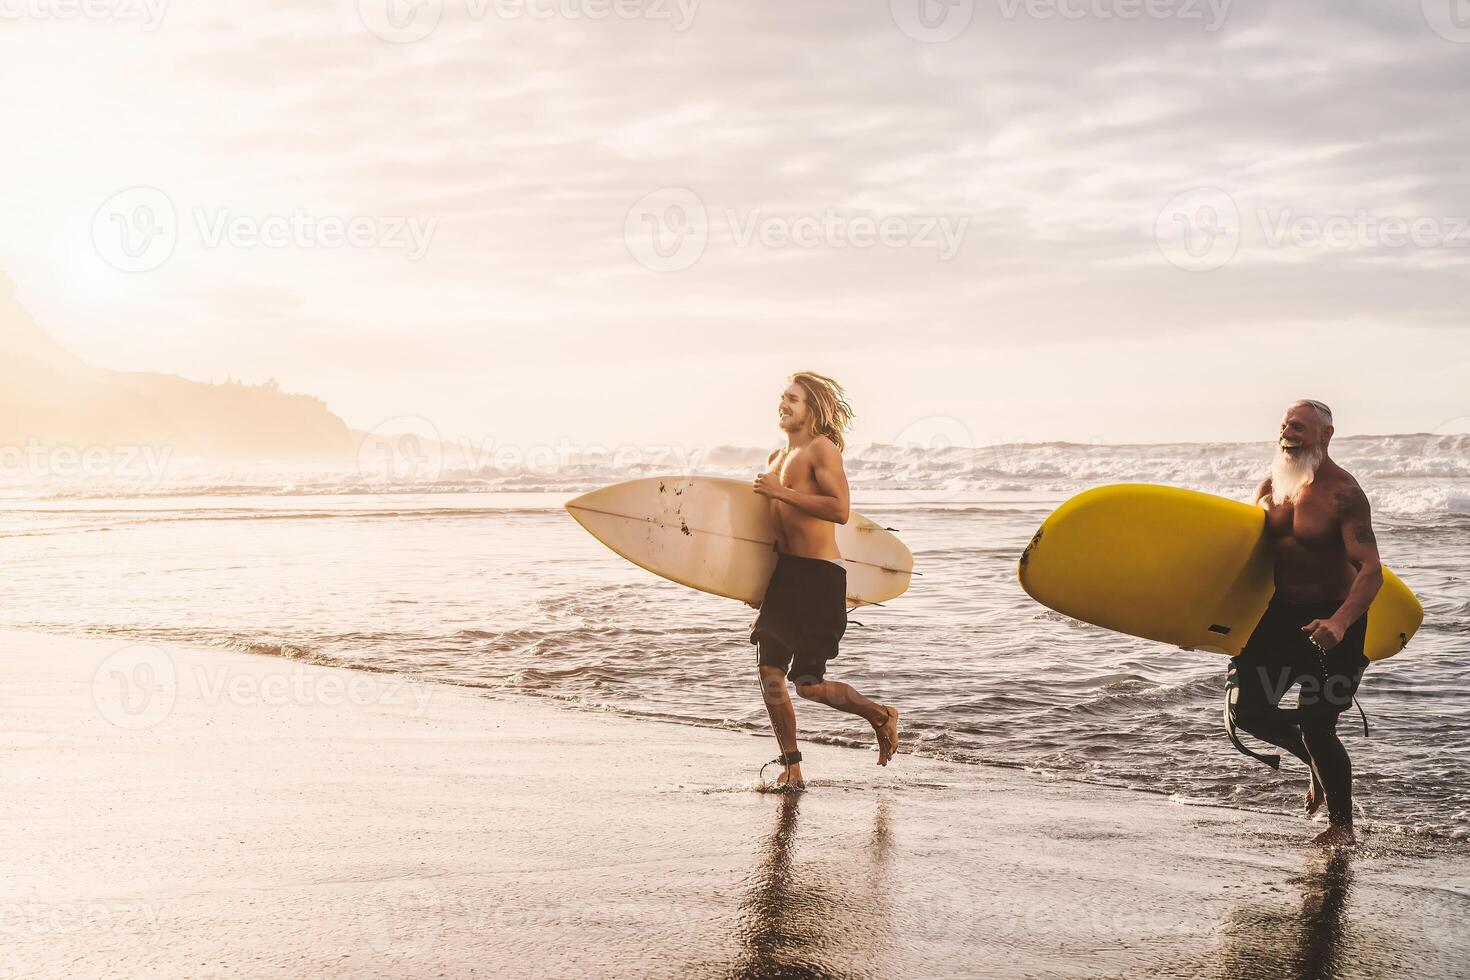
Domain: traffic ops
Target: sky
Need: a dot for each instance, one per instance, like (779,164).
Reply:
(625,221)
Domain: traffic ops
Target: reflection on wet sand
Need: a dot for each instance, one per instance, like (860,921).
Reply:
(1318,937)
(819,918)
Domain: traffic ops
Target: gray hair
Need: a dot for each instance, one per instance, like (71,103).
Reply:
(1323,412)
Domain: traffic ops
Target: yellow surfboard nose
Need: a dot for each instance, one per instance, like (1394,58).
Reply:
(1182,567)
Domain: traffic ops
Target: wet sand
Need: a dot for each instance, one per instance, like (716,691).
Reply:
(181,812)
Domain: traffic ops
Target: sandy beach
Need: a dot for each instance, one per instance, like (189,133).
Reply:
(173,811)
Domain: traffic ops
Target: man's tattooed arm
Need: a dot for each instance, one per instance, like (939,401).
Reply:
(1361,544)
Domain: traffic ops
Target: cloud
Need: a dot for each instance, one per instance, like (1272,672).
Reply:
(1056,139)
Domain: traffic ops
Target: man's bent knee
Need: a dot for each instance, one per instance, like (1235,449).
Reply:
(1256,719)
(810,690)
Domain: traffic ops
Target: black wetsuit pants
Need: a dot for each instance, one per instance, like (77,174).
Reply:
(1279,655)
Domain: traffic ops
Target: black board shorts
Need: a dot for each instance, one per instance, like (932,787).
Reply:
(1279,655)
(802,617)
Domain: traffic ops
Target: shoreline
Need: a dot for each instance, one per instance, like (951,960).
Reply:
(200,811)
(501,692)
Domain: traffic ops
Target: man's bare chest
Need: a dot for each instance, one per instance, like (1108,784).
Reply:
(794,471)
(1311,520)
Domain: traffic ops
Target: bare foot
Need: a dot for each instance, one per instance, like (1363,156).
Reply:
(1338,835)
(887,736)
(1316,795)
(790,780)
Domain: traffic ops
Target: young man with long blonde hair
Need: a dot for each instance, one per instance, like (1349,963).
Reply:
(804,612)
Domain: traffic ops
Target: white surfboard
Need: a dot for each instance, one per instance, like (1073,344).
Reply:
(715,535)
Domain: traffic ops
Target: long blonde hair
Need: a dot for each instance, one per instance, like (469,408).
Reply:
(831,414)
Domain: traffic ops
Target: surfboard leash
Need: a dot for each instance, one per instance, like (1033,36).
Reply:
(1231,693)
(784,759)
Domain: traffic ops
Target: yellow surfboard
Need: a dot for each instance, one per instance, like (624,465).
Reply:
(1186,568)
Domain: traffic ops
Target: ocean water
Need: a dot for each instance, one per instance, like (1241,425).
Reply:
(480,578)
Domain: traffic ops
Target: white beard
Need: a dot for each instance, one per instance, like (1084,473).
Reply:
(1290,476)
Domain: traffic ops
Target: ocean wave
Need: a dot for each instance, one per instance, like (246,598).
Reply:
(1407,474)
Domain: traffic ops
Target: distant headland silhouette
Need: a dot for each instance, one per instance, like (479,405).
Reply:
(50,397)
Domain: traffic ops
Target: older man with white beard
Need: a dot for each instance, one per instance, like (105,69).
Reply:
(1327,573)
